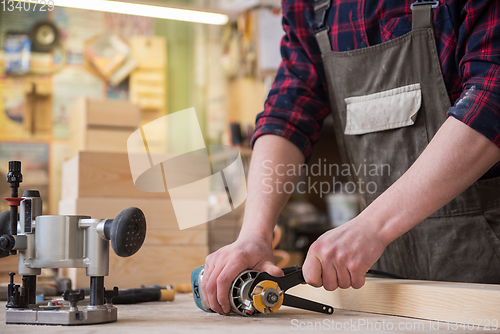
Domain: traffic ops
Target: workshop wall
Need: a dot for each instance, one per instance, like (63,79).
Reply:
(65,74)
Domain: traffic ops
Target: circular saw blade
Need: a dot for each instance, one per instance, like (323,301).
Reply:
(267,297)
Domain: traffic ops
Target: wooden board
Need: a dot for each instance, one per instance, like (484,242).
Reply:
(100,174)
(190,237)
(107,139)
(441,301)
(151,265)
(102,125)
(159,212)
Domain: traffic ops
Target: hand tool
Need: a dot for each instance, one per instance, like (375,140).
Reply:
(62,242)
(254,292)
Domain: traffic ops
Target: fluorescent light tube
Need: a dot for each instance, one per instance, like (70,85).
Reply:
(159,12)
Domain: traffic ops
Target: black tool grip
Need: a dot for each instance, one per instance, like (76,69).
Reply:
(304,304)
(134,296)
(127,231)
(291,279)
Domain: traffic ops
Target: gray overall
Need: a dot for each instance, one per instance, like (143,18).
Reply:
(388,101)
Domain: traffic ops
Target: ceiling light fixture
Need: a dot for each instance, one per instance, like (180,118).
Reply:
(156,11)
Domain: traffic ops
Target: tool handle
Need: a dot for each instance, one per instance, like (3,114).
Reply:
(291,279)
(134,296)
(304,304)
(289,270)
(126,232)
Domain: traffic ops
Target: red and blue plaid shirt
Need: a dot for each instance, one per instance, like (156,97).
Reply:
(468,41)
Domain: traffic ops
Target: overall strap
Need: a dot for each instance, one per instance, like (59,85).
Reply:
(421,19)
(321,8)
(422,13)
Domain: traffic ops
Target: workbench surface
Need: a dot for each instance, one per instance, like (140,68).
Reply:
(182,316)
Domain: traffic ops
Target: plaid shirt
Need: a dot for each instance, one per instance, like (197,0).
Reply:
(468,41)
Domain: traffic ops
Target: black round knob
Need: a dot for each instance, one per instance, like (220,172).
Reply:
(128,231)
(73,296)
(4,229)
(7,242)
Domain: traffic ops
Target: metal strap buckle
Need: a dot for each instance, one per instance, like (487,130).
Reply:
(434,3)
(321,7)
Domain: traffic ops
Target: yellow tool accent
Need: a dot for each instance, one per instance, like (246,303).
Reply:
(259,292)
(167,295)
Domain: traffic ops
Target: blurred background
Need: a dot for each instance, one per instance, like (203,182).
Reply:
(75,83)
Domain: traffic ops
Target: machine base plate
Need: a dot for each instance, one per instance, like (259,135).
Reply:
(62,316)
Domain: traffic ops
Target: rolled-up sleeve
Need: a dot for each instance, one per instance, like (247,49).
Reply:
(479,61)
(297,103)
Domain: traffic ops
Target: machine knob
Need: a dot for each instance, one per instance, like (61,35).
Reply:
(127,231)
(4,229)
(74,296)
(110,294)
(7,242)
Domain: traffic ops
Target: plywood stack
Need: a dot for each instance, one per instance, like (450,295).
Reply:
(102,125)
(99,184)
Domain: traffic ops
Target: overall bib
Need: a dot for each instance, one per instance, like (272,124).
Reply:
(388,101)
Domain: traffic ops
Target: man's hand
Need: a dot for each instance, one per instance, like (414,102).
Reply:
(341,257)
(222,267)
(253,248)
(454,159)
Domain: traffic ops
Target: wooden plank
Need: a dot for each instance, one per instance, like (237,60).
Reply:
(112,113)
(77,126)
(107,139)
(151,265)
(159,212)
(440,301)
(102,174)
(191,237)
(59,151)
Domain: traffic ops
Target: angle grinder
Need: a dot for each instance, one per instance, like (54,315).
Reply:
(254,292)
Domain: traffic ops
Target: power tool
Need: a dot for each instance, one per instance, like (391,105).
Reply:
(254,292)
(62,242)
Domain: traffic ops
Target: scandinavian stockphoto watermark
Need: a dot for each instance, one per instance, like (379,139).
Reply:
(306,184)
(204,182)
(365,325)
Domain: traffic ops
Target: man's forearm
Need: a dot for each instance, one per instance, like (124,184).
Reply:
(455,158)
(264,203)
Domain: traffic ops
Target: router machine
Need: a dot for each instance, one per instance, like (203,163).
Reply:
(62,242)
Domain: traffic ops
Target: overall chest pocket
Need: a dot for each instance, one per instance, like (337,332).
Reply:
(390,109)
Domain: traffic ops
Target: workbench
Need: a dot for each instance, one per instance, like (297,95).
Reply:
(182,316)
